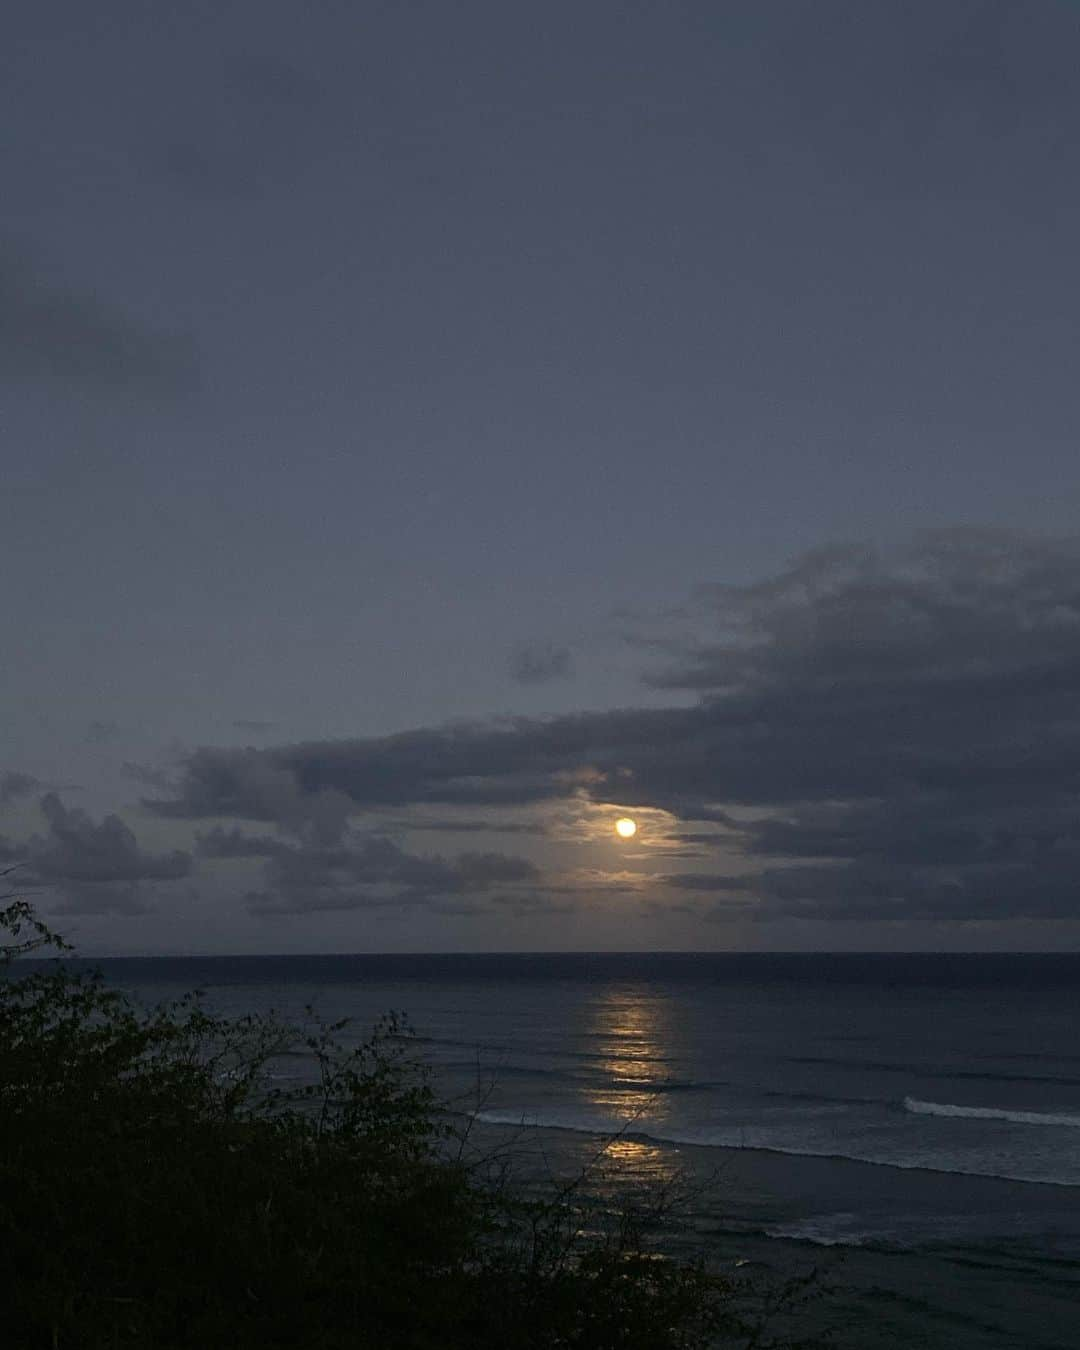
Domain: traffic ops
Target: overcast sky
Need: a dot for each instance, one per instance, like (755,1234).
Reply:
(432,431)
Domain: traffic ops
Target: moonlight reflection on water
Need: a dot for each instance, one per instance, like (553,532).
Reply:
(630,1030)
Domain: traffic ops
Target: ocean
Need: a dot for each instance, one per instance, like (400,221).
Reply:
(908,1123)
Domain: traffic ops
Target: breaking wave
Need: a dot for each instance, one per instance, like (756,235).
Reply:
(735,1138)
(919,1108)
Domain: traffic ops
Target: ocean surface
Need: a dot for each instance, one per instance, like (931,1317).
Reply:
(926,1105)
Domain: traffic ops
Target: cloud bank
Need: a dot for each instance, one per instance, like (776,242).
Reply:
(874,737)
(363,873)
(95,868)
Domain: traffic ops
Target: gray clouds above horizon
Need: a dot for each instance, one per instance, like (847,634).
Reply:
(904,729)
(94,868)
(359,872)
(874,736)
(14,785)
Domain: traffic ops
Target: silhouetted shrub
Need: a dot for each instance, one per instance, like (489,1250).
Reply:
(154,1192)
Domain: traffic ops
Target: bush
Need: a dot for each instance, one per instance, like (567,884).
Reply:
(155,1193)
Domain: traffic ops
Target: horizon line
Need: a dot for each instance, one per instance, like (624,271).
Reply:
(719,951)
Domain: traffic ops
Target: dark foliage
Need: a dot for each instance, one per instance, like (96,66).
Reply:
(155,1193)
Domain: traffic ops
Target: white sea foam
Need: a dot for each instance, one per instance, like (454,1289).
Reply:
(830,1230)
(735,1137)
(919,1108)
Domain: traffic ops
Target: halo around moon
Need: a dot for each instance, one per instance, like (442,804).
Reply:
(625,828)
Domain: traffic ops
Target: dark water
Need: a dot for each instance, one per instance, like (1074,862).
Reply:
(923,1106)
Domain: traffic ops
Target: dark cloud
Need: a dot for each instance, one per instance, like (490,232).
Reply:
(159,779)
(884,891)
(14,785)
(963,604)
(94,868)
(511,763)
(369,873)
(254,785)
(481,870)
(464,825)
(704,882)
(234,843)
(907,725)
(253,725)
(50,331)
(933,698)
(77,850)
(539,662)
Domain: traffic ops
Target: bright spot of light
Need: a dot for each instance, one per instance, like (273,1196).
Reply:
(625,828)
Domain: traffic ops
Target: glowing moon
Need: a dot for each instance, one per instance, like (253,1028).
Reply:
(626,828)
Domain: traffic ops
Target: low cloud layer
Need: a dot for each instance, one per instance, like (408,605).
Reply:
(874,737)
(363,873)
(14,786)
(95,868)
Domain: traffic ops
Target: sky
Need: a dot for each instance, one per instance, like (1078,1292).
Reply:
(431,432)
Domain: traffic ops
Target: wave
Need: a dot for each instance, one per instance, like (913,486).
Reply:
(730,1139)
(414,1038)
(654,1086)
(1041,1056)
(932,1070)
(495,1071)
(919,1108)
(822,1233)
